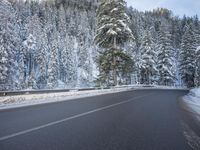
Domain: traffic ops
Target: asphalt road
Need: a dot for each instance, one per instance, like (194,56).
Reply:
(132,120)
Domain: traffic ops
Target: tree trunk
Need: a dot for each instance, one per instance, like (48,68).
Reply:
(114,63)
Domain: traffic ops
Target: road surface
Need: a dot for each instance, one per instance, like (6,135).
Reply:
(131,120)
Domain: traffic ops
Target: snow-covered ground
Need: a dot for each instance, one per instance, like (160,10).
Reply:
(192,101)
(142,86)
(8,102)
(190,104)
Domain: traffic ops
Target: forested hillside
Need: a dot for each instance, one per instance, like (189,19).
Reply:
(50,44)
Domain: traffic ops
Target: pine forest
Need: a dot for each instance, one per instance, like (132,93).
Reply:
(53,44)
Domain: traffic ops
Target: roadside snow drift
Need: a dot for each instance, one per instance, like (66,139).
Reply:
(7,102)
(192,102)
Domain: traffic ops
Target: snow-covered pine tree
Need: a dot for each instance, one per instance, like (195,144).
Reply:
(36,46)
(197,69)
(67,60)
(166,58)
(53,42)
(71,61)
(131,50)
(124,67)
(148,64)
(112,29)
(83,56)
(42,59)
(53,70)
(11,42)
(63,38)
(187,57)
(3,64)
(30,47)
(85,51)
(196,28)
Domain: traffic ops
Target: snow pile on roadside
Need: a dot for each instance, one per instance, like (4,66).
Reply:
(171,87)
(195,92)
(7,102)
(143,86)
(192,101)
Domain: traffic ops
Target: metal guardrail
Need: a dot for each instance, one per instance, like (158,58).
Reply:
(12,93)
(26,92)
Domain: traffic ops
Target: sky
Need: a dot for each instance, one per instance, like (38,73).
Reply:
(178,7)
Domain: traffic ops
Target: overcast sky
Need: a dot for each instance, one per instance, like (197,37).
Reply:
(179,7)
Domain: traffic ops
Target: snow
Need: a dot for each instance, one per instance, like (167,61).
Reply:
(198,48)
(9,102)
(114,10)
(143,86)
(111,32)
(192,102)
(196,92)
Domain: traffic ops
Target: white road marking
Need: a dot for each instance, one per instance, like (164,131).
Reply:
(67,119)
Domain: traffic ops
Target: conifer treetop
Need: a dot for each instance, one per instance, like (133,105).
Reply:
(112,22)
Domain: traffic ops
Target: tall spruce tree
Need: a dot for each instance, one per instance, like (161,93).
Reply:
(3,64)
(53,67)
(197,69)
(166,55)
(187,57)
(10,42)
(148,66)
(112,31)
(124,68)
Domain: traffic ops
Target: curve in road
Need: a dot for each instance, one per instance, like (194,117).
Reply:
(131,120)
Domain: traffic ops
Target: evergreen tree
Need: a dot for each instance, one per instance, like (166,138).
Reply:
(112,29)
(3,64)
(197,69)
(124,67)
(166,57)
(53,67)
(42,59)
(148,66)
(11,41)
(71,61)
(187,55)
(196,28)
(67,62)
(63,38)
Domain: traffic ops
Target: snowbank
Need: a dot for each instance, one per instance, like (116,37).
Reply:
(8,102)
(192,101)
(190,108)
(143,86)
(195,92)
